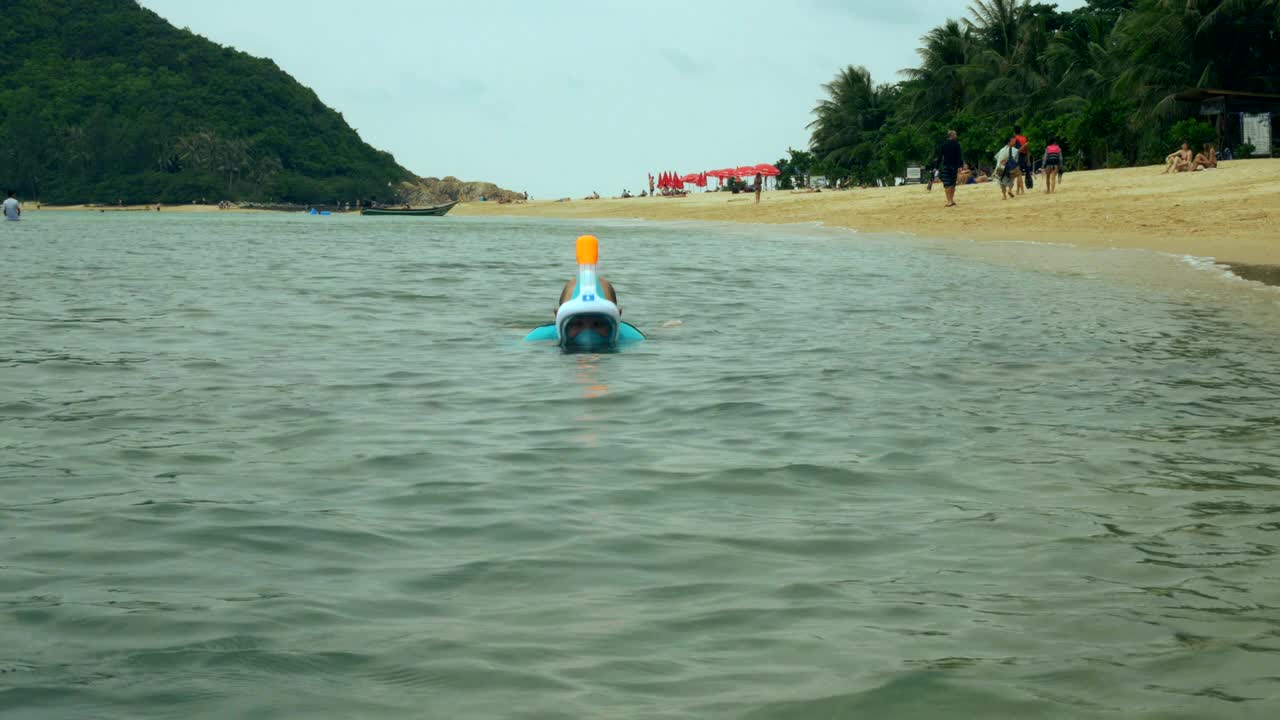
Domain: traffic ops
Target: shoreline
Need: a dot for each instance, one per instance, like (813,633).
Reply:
(30,206)
(1230,214)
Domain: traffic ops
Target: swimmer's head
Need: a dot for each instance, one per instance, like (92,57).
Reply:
(588,319)
(590,324)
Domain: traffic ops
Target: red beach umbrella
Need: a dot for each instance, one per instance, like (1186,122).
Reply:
(768,170)
(746,171)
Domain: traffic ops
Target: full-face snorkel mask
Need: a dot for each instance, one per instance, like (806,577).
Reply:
(588,321)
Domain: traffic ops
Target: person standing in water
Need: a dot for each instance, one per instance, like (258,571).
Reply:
(12,208)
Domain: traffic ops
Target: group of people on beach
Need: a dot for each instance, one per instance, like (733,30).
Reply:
(1013,167)
(1181,160)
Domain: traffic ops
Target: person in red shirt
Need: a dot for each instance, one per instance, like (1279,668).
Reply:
(1024,155)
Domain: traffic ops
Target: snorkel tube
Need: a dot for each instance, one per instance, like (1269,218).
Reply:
(588,320)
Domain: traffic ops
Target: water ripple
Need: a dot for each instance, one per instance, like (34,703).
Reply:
(297,477)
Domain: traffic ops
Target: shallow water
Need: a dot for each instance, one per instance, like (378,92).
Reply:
(279,466)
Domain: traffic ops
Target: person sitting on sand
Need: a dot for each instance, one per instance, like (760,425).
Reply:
(965,175)
(1206,158)
(1178,160)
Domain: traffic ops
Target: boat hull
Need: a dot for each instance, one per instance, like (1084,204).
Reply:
(435,211)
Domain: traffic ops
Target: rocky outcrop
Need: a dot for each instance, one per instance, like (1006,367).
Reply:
(436,191)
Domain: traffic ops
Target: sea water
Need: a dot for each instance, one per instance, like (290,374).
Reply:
(284,466)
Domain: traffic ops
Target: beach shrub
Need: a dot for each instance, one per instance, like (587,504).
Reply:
(1244,150)
(1192,130)
(1152,150)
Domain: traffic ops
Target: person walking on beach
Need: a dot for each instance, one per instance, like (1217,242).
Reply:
(1024,157)
(1052,161)
(1007,167)
(950,158)
(759,184)
(12,208)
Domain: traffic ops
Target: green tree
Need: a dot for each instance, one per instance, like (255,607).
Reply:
(104,100)
(1102,79)
(848,119)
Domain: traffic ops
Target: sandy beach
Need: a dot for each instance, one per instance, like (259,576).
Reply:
(1231,213)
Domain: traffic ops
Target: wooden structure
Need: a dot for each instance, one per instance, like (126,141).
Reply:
(1238,116)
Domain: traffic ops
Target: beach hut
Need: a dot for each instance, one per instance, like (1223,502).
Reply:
(1239,117)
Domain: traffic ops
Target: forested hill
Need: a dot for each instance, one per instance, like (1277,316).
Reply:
(103,100)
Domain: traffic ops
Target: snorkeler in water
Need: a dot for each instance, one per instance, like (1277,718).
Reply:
(587,316)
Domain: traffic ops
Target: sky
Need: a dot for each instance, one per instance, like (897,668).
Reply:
(561,98)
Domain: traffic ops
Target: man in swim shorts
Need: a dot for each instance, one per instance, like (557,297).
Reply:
(950,158)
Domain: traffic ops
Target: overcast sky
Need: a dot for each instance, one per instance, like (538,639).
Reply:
(563,97)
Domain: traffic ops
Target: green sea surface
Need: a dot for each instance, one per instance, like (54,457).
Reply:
(287,466)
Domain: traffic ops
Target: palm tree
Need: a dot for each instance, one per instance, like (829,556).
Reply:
(941,85)
(1007,69)
(1172,45)
(847,120)
(1086,65)
(999,23)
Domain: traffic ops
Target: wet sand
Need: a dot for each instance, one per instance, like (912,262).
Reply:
(1231,213)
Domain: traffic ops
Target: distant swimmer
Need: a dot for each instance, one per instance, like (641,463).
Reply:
(12,208)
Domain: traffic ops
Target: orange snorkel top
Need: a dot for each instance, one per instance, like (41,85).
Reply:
(588,249)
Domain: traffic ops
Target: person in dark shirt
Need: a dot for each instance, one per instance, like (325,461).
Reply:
(1024,158)
(950,158)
